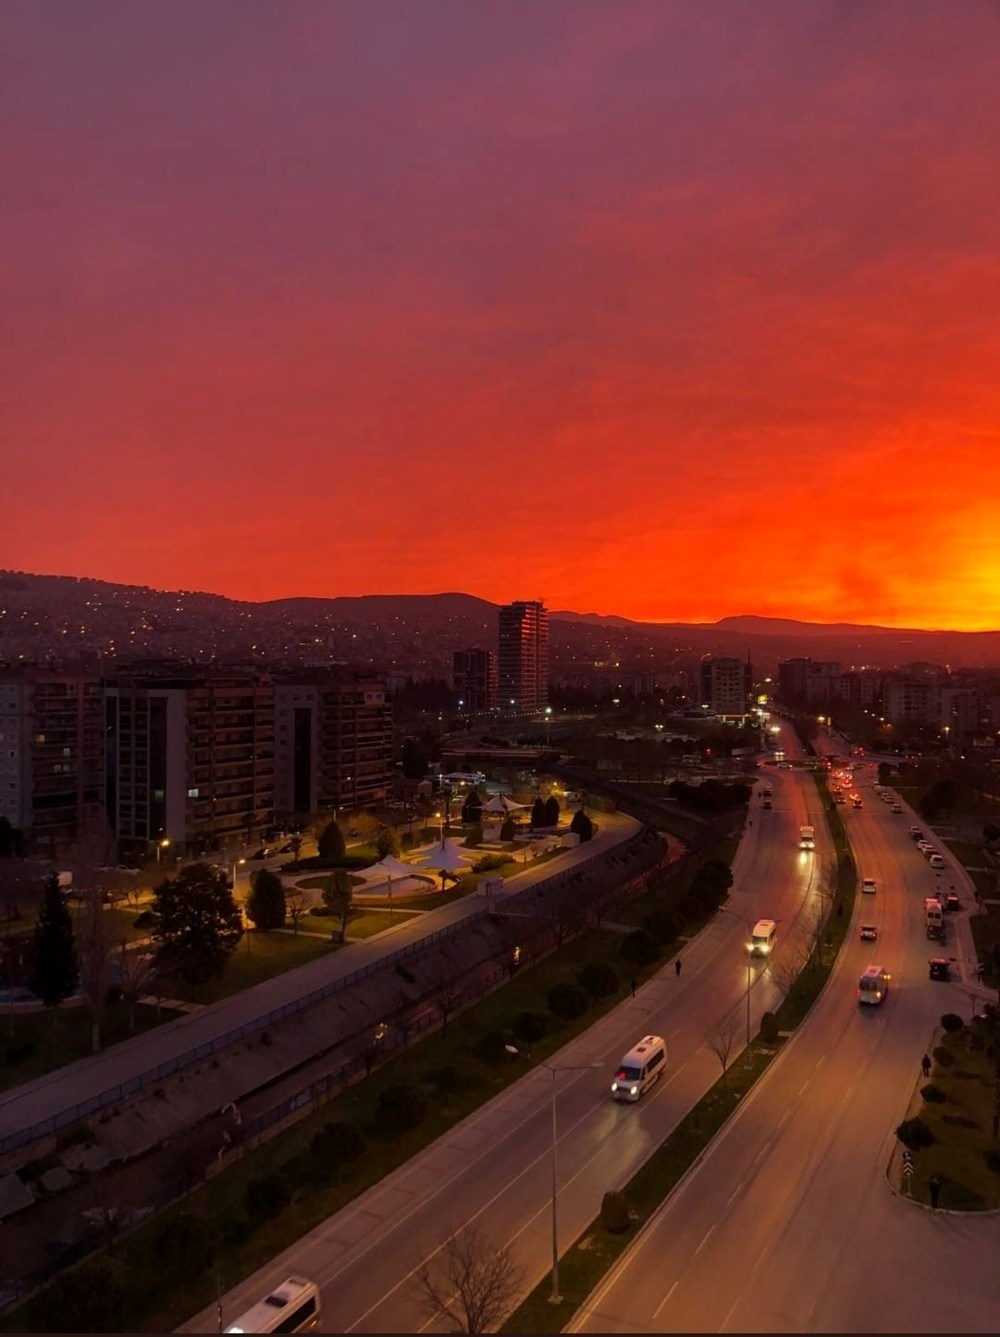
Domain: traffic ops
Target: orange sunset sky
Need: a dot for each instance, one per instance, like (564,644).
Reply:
(669,310)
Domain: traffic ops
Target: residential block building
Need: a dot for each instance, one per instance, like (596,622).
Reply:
(523,657)
(475,680)
(725,684)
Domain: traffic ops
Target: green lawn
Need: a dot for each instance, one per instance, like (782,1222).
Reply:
(318,883)
(31,1045)
(961,1128)
(269,954)
(376,921)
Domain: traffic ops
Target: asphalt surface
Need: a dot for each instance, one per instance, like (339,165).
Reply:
(789,1224)
(495,1167)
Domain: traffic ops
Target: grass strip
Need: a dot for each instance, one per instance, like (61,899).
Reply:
(592,1255)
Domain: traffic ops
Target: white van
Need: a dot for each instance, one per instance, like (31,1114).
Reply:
(873,985)
(936,860)
(640,1068)
(762,938)
(294,1306)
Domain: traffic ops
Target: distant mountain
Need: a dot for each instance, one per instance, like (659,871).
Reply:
(59,616)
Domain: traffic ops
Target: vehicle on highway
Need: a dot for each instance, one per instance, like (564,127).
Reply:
(916,833)
(839,797)
(897,808)
(933,922)
(857,801)
(766,804)
(640,1068)
(868,932)
(936,860)
(294,1306)
(807,838)
(939,968)
(951,901)
(873,985)
(868,886)
(761,942)
(925,847)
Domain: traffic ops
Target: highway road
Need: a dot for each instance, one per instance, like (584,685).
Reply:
(789,1224)
(494,1167)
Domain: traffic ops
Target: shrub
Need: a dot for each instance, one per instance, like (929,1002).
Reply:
(474,837)
(640,948)
(567,1001)
(235,1231)
(266,1197)
(401,1108)
(598,978)
(914,1134)
(490,1048)
(530,1026)
(952,1023)
(943,1057)
(992,1158)
(769,1028)
(664,923)
(449,1080)
(91,1298)
(614,1212)
(335,1145)
(933,1094)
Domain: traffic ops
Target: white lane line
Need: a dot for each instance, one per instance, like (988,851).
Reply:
(708,1235)
(785,1117)
(848,1093)
(722,1325)
(805,1083)
(656,1311)
(735,1194)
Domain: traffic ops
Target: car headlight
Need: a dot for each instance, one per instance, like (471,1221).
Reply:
(635,1090)
(614,1086)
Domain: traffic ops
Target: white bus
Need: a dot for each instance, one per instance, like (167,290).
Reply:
(873,985)
(294,1306)
(640,1068)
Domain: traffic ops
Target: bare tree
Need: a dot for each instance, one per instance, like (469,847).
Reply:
(723,1039)
(296,904)
(95,950)
(136,970)
(446,996)
(473,1283)
(785,968)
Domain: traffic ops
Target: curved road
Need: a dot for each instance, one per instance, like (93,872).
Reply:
(494,1168)
(788,1224)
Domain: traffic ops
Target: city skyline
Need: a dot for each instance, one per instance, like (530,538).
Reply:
(320,301)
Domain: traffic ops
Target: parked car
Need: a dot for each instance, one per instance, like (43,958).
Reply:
(951,901)
(897,808)
(868,932)
(287,848)
(262,853)
(868,885)
(939,968)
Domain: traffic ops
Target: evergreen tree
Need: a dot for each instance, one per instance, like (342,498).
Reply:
(538,812)
(55,972)
(472,808)
(507,829)
(552,811)
(582,825)
(338,897)
(197,924)
(266,899)
(387,842)
(330,844)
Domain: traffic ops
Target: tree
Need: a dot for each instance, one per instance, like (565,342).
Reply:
(785,968)
(266,899)
(470,1284)
(330,843)
(722,1040)
(338,897)
(582,825)
(538,813)
(135,978)
(552,811)
(11,840)
(400,1109)
(55,972)
(507,829)
(296,904)
(367,827)
(95,952)
(197,924)
(415,759)
(387,842)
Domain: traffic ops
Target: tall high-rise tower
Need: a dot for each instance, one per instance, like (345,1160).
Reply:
(523,657)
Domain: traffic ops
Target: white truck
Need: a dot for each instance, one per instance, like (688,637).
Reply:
(933,918)
(807,838)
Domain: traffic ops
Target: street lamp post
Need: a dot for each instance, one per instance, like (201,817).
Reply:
(555,1297)
(161,845)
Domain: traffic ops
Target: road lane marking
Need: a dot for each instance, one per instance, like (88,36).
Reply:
(656,1311)
(722,1325)
(734,1195)
(708,1234)
(805,1083)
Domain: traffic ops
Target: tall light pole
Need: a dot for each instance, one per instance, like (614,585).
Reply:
(555,1297)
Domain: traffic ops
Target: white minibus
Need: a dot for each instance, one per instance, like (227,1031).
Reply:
(762,938)
(640,1068)
(873,985)
(291,1307)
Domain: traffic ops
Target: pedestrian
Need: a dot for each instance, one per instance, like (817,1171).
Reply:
(631,985)
(925,1065)
(677,966)
(934,1186)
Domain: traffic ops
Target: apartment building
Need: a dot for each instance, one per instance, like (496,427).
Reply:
(724,685)
(475,680)
(523,657)
(190,759)
(51,752)
(333,742)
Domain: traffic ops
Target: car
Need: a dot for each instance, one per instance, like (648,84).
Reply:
(262,853)
(868,885)
(939,968)
(839,798)
(868,932)
(287,848)
(897,808)
(857,803)
(916,833)
(951,901)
